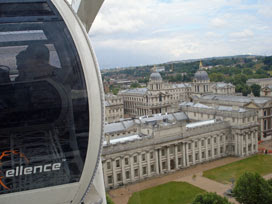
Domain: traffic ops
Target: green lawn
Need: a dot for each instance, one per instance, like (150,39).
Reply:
(169,193)
(261,164)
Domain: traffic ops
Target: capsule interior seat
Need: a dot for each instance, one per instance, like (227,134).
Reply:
(48,139)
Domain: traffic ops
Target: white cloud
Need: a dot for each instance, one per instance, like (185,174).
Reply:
(218,22)
(243,34)
(152,30)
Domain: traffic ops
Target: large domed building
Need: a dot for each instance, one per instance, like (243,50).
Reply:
(201,76)
(201,81)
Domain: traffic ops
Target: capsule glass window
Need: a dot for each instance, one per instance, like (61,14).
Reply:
(44,115)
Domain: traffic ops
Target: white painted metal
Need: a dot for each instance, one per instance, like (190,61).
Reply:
(75,193)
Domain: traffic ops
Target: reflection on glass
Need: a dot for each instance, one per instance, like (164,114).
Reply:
(44,116)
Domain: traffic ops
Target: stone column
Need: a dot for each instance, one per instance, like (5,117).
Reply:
(206,149)
(236,144)
(157,161)
(212,141)
(123,170)
(114,173)
(193,151)
(252,141)
(187,154)
(200,151)
(140,166)
(176,156)
(256,140)
(160,161)
(131,168)
(168,158)
(246,144)
(183,155)
(224,144)
(148,164)
(241,145)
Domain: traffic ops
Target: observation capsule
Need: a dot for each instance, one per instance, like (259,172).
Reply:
(51,103)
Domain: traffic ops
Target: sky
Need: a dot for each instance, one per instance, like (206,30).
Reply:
(139,32)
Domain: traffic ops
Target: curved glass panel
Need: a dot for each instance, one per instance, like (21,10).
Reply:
(44,116)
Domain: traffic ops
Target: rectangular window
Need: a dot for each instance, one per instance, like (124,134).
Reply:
(179,161)
(214,139)
(152,168)
(203,155)
(209,153)
(144,170)
(135,159)
(136,172)
(195,144)
(127,174)
(108,165)
(190,158)
(119,177)
(162,152)
(221,150)
(189,146)
(163,165)
(202,143)
(179,148)
(143,157)
(126,161)
(110,179)
(117,162)
(196,156)
(215,151)
(151,155)
(209,141)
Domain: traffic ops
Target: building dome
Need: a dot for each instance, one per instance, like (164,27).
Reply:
(155,76)
(201,76)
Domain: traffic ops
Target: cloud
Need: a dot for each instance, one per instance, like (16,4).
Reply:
(218,22)
(243,34)
(129,32)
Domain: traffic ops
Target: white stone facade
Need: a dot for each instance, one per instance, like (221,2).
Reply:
(114,108)
(166,143)
(263,106)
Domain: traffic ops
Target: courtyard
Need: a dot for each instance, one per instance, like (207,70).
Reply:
(172,192)
(261,164)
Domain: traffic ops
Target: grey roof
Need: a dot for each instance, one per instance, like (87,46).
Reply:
(223,85)
(269,87)
(183,85)
(141,91)
(119,126)
(220,108)
(155,76)
(179,116)
(239,99)
(201,75)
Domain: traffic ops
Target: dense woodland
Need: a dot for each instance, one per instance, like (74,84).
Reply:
(236,70)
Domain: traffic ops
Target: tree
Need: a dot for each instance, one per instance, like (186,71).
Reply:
(210,198)
(135,85)
(246,90)
(251,188)
(247,71)
(255,88)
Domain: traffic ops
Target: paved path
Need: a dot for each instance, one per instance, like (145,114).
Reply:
(122,195)
(207,184)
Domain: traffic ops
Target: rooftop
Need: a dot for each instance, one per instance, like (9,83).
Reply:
(201,123)
(239,99)
(135,91)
